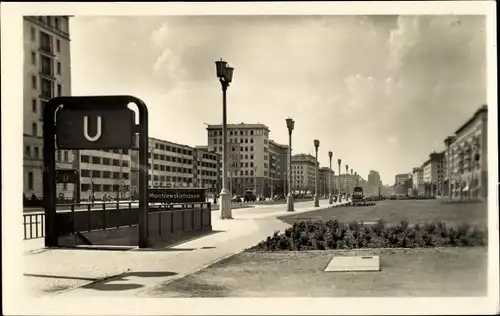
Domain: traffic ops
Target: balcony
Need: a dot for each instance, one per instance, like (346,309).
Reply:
(46,48)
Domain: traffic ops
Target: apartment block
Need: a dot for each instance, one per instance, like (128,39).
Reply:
(432,174)
(418,181)
(466,159)
(46,74)
(173,165)
(326,175)
(303,173)
(207,169)
(105,173)
(250,163)
(278,154)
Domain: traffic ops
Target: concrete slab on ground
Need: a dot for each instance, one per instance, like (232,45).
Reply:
(353,264)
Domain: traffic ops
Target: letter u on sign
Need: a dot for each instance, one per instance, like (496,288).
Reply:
(86,129)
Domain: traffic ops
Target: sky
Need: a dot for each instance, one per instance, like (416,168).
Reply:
(380,92)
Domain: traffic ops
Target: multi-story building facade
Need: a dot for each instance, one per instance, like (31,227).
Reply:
(326,174)
(104,173)
(345,183)
(46,74)
(403,183)
(418,181)
(278,154)
(432,174)
(374,183)
(250,144)
(173,165)
(466,157)
(303,173)
(207,169)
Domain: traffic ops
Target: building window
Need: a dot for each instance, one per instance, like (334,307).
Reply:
(30,181)
(33,34)
(37,153)
(27,152)
(45,42)
(59,90)
(58,45)
(33,58)
(34,129)
(58,68)
(33,105)
(33,81)
(46,86)
(56,21)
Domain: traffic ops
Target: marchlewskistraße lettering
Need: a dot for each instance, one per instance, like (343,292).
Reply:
(177,195)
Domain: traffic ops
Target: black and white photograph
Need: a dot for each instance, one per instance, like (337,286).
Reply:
(214,151)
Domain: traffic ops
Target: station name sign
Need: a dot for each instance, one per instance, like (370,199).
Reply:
(176,195)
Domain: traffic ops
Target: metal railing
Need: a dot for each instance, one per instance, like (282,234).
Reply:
(87,217)
(34,225)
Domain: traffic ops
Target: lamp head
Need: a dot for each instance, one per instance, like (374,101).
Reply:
(316,143)
(290,124)
(339,161)
(330,154)
(228,77)
(220,67)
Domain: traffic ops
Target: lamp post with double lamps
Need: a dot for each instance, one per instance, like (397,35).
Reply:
(316,171)
(339,161)
(290,124)
(330,195)
(225,75)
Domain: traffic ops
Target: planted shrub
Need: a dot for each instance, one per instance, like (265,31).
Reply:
(332,234)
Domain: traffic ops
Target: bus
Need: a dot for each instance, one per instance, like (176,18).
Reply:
(357,195)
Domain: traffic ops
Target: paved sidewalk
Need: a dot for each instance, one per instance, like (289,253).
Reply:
(60,270)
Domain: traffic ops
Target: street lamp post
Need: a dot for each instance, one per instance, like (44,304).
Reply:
(290,124)
(316,197)
(330,196)
(225,75)
(339,161)
(346,181)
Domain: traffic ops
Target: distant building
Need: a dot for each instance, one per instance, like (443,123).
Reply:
(466,159)
(325,175)
(278,154)
(418,181)
(303,173)
(104,173)
(175,165)
(374,183)
(403,182)
(432,170)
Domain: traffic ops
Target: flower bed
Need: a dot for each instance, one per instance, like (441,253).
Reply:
(332,234)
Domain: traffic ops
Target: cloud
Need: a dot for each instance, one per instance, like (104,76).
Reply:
(160,35)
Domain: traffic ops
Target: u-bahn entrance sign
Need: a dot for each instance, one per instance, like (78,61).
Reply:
(95,122)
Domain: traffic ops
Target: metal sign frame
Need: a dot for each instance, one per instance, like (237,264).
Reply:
(49,141)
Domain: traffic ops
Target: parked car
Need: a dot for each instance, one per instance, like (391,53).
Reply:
(249,196)
(237,199)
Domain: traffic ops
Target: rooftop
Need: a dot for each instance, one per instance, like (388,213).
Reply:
(482,110)
(239,126)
